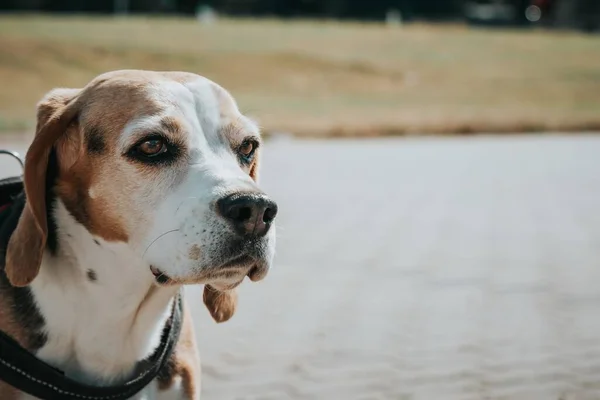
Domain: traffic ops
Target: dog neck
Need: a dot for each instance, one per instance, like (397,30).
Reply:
(101,316)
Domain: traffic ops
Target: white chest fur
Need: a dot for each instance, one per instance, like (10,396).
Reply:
(102,314)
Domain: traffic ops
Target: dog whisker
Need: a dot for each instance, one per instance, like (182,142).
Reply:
(154,241)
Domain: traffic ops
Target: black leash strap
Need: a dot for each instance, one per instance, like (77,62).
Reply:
(24,371)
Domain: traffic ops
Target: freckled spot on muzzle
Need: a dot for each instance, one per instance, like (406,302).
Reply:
(194,253)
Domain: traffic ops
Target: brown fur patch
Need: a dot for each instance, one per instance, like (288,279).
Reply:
(69,146)
(73,188)
(170,125)
(185,361)
(95,142)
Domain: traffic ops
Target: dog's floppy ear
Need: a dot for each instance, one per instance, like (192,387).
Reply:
(27,243)
(220,304)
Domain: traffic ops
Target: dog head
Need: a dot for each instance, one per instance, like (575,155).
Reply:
(162,161)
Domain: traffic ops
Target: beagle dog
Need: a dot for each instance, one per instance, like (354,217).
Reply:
(135,185)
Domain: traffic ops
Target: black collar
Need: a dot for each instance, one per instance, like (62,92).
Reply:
(24,371)
(21,369)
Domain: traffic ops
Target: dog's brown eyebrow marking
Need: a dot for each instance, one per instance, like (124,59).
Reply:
(92,276)
(95,141)
(170,124)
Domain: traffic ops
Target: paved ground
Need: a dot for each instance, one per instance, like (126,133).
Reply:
(421,269)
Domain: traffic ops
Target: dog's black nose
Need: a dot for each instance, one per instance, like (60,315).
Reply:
(251,214)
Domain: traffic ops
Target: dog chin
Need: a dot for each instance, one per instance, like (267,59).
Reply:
(228,279)
(223,277)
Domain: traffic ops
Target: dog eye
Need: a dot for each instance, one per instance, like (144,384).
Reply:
(247,149)
(153,147)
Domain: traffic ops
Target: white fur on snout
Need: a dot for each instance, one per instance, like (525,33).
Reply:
(193,233)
